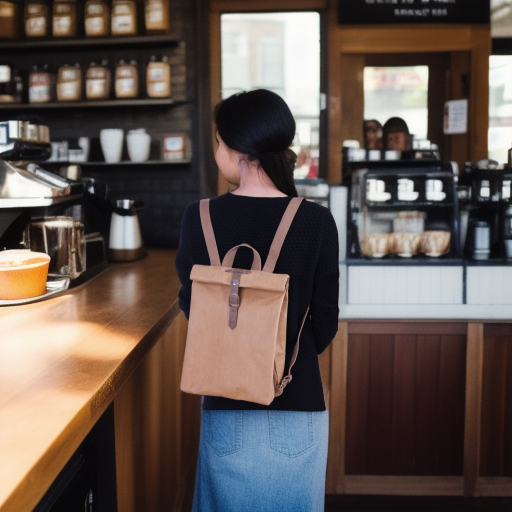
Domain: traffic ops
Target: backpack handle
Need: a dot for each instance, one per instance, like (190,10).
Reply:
(230,257)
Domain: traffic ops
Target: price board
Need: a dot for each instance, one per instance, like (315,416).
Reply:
(370,12)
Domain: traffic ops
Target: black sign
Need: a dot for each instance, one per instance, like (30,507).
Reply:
(370,12)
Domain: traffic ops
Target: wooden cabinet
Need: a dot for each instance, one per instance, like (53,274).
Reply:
(421,408)
(157,430)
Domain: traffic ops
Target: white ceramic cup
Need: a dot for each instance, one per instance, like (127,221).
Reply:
(139,145)
(111,140)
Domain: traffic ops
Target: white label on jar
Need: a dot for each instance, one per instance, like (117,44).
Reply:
(173,143)
(35,26)
(69,74)
(61,25)
(155,15)
(61,8)
(69,89)
(121,9)
(156,74)
(5,73)
(125,72)
(96,87)
(94,9)
(125,85)
(35,9)
(39,94)
(122,24)
(94,26)
(158,87)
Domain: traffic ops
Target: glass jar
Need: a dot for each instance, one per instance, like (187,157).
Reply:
(64,18)
(158,78)
(40,85)
(97,83)
(124,18)
(127,80)
(97,18)
(69,83)
(37,15)
(9,19)
(156,16)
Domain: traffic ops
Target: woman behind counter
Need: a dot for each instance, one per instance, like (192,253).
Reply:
(253,457)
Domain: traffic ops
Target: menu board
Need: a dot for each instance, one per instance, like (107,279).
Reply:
(370,12)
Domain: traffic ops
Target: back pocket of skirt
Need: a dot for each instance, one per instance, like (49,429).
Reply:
(223,431)
(291,432)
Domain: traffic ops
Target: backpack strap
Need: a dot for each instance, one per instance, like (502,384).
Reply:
(281,233)
(279,386)
(209,237)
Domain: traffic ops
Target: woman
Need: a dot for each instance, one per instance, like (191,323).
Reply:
(253,457)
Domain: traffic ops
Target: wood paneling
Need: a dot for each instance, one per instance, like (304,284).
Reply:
(472,433)
(496,446)
(157,430)
(337,410)
(422,407)
(405,400)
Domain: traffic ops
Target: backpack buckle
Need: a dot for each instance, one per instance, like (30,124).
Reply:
(236,302)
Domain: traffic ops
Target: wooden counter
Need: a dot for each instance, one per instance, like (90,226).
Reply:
(63,361)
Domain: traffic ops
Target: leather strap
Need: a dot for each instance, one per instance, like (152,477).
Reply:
(234,299)
(230,257)
(209,237)
(282,230)
(279,387)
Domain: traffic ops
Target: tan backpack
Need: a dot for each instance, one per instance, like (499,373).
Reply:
(236,340)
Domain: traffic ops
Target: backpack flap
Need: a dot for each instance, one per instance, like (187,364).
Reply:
(214,351)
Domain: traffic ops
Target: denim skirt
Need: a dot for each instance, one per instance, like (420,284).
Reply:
(261,461)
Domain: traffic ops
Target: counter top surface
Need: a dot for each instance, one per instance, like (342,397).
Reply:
(63,360)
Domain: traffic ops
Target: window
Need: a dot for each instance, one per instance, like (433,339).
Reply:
(280,52)
(500,107)
(398,92)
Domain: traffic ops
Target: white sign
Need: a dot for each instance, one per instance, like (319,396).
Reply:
(455,117)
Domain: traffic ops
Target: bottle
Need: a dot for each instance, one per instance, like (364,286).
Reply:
(156,16)
(97,18)
(127,80)
(158,78)
(18,86)
(124,18)
(69,83)
(37,14)
(9,19)
(64,18)
(40,85)
(97,84)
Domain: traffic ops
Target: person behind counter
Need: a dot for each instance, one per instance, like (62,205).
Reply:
(396,135)
(372,132)
(254,457)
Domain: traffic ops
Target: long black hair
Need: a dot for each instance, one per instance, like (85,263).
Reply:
(259,124)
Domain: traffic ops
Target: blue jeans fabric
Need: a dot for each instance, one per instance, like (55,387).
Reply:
(261,461)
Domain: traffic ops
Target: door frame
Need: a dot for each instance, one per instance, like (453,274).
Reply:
(389,39)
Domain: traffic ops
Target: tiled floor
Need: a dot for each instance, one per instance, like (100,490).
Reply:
(415,504)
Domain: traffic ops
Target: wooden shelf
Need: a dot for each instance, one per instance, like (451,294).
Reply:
(122,164)
(88,104)
(90,42)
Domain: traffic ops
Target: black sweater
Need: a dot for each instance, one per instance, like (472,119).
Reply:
(309,256)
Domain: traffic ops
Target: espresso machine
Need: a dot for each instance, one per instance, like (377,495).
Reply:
(487,188)
(45,212)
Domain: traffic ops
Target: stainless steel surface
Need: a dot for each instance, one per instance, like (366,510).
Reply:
(25,184)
